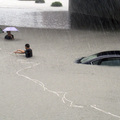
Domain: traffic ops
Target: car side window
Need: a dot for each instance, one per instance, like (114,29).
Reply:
(111,62)
(96,62)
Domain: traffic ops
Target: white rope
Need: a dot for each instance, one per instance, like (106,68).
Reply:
(108,113)
(63,98)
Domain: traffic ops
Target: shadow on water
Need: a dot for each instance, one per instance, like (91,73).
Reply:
(85,22)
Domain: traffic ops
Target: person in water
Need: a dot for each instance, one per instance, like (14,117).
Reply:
(9,36)
(28,52)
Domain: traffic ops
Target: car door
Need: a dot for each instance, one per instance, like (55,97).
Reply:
(110,62)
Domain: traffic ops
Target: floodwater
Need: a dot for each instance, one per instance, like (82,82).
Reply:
(29,14)
(34,18)
(50,86)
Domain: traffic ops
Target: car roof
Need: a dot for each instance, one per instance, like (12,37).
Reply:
(107,56)
(110,53)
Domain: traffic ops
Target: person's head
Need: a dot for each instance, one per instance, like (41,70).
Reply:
(27,46)
(8,32)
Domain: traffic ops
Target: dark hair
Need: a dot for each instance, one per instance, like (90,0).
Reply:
(27,45)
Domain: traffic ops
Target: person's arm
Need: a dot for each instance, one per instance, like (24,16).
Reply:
(20,51)
(13,37)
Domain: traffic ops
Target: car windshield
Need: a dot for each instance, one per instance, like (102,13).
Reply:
(89,58)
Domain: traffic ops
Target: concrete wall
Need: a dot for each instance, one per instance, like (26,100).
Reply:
(94,13)
(100,8)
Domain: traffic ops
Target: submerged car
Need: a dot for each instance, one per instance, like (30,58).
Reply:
(108,58)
